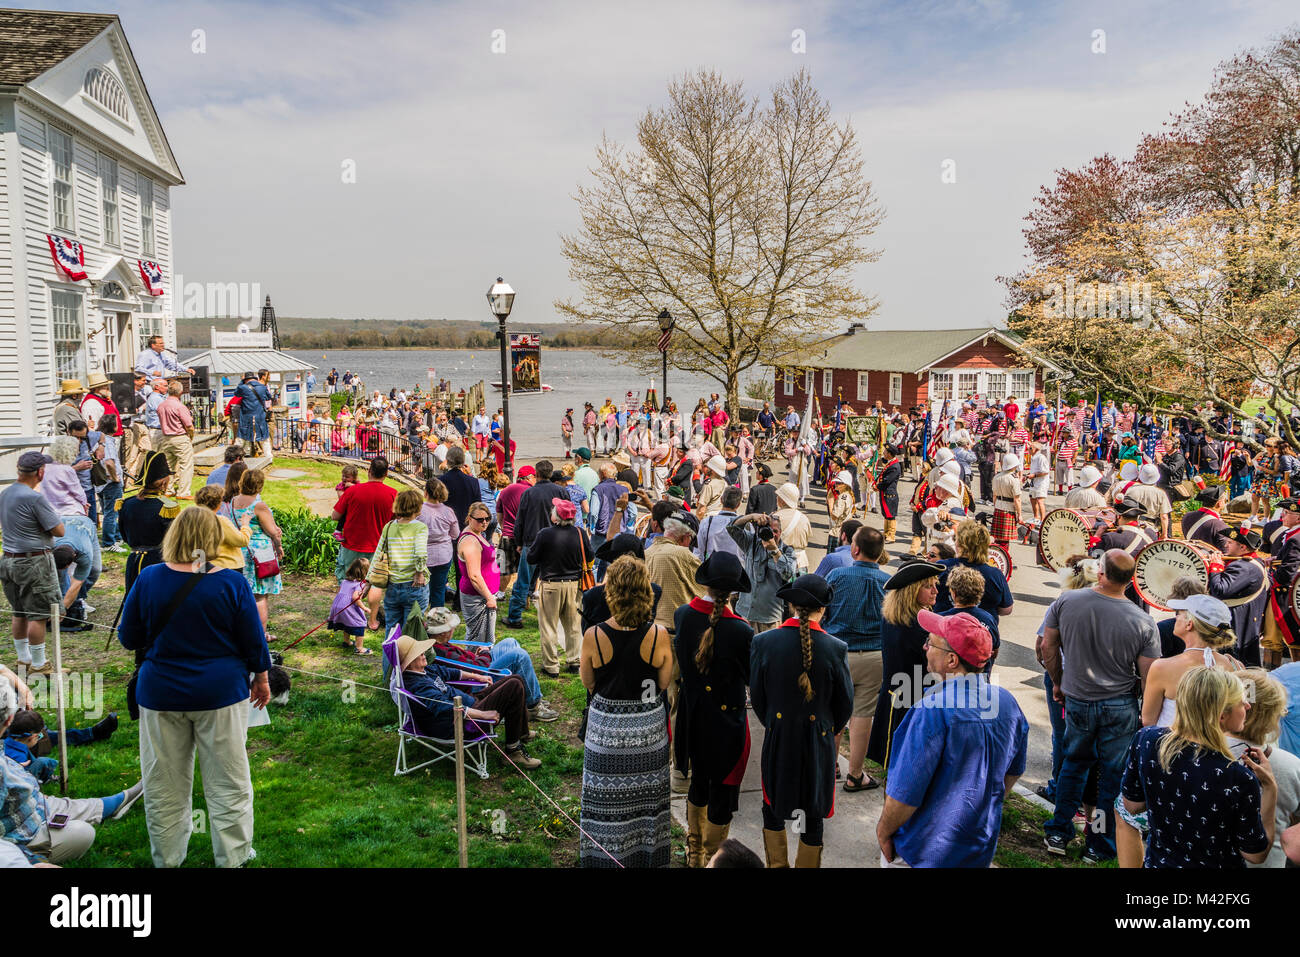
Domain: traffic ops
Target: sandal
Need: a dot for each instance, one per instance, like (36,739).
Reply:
(861,782)
(364,651)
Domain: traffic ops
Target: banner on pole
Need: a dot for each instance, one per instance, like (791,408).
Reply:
(525,362)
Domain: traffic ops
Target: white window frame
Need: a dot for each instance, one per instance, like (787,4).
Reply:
(940,386)
(68,333)
(999,395)
(808,382)
(144,189)
(895,388)
(787,381)
(148,324)
(69,182)
(1028,394)
(863,381)
(110,342)
(828,381)
(110,200)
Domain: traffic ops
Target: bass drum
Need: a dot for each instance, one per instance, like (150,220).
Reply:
(1000,558)
(1064,533)
(1158,565)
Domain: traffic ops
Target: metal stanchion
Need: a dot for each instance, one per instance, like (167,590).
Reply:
(462,836)
(56,614)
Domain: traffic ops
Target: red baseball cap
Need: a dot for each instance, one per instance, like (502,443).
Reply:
(963,633)
(564,508)
(526,471)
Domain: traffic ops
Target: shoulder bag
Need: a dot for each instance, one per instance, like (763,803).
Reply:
(379,564)
(132,707)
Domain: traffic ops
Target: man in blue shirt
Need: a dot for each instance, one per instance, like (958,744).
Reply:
(853,615)
(841,557)
(957,754)
(791,418)
(152,362)
(766,421)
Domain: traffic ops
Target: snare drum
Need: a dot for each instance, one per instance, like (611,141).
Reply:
(1158,565)
(1064,533)
(1000,558)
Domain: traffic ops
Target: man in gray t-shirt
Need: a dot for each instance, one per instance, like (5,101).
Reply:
(1108,644)
(31,585)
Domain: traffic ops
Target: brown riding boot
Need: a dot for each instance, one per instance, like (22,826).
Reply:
(714,835)
(808,855)
(696,822)
(775,848)
(915,549)
(891,529)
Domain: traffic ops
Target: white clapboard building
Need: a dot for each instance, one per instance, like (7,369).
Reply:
(85,214)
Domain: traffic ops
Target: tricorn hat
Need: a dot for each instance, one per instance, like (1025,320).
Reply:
(808,591)
(722,569)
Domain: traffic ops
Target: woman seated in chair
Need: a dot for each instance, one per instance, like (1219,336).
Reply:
(502,701)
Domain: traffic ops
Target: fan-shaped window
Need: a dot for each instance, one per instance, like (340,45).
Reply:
(111,290)
(102,87)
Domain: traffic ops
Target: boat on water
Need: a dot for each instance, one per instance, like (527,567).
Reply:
(497,386)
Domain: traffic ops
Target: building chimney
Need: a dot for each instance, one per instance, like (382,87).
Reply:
(855,327)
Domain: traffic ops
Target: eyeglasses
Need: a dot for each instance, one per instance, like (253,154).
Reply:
(479,518)
(929,643)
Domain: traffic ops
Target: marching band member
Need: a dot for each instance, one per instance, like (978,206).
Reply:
(1130,535)
(887,486)
(839,506)
(1205,524)
(1006,500)
(1284,547)
(1242,584)
(1085,494)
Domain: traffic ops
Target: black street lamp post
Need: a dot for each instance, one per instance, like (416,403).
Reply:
(666,327)
(501,298)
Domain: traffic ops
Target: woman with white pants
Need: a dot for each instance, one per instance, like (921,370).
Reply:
(197,637)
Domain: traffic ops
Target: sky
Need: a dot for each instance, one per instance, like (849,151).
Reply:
(466,160)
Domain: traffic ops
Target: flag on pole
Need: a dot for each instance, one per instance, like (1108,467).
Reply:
(1225,470)
(925,439)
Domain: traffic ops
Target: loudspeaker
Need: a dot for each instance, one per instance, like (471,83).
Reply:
(199,380)
(123,392)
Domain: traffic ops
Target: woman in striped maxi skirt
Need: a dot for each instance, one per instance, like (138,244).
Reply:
(626,664)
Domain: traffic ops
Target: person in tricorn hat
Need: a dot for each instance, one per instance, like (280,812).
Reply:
(1282,540)
(902,649)
(1206,524)
(144,515)
(802,693)
(712,733)
(1241,583)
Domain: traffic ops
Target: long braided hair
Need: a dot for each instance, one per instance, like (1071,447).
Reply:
(805,646)
(704,653)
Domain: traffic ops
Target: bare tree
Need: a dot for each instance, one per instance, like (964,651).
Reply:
(744,222)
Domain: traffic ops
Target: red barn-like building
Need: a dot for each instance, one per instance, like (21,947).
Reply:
(905,368)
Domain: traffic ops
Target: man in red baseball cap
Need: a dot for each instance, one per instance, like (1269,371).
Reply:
(560,553)
(956,756)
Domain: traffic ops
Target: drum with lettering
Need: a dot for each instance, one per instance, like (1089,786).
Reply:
(1158,565)
(1064,532)
(1000,558)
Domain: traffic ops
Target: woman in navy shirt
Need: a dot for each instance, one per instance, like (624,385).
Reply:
(1205,809)
(193,691)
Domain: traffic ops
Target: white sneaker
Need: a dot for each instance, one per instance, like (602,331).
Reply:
(88,608)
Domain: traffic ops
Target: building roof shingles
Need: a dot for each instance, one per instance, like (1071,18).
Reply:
(34,41)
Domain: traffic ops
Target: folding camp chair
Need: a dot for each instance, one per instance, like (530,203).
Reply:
(477,732)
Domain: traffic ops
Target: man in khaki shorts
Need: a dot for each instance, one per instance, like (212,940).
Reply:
(31,584)
(853,615)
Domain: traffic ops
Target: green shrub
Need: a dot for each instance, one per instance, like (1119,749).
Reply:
(308,541)
(337,401)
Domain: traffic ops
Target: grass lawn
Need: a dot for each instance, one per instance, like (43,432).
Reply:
(323,770)
(318,476)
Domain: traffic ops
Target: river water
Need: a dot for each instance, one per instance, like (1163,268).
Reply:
(575,377)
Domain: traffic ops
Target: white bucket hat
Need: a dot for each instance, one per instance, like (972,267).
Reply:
(1088,476)
(718,465)
(1148,474)
(1128,472)
(943,455)
(950,484)
(951,467)
(789,494)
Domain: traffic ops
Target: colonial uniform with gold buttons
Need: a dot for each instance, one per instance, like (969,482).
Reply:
(802,693)
(712,732)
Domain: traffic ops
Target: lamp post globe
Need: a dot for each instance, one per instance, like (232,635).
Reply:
(501,299)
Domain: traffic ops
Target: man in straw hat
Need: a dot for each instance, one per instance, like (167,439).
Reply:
(501,701)
(1006,500)
(69,406)
(956,758)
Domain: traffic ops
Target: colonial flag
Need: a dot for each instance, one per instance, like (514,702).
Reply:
(1225,470)
(152,276)
(940,432)
(69,255)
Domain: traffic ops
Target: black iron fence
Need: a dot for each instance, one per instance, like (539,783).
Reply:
(362,443)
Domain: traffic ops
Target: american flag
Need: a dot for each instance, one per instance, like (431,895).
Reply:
(940,431)
(1225,470)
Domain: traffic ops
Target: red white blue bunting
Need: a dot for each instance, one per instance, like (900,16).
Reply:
(69,255)
(152,275)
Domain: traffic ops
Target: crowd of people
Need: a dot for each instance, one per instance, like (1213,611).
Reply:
(673,580)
